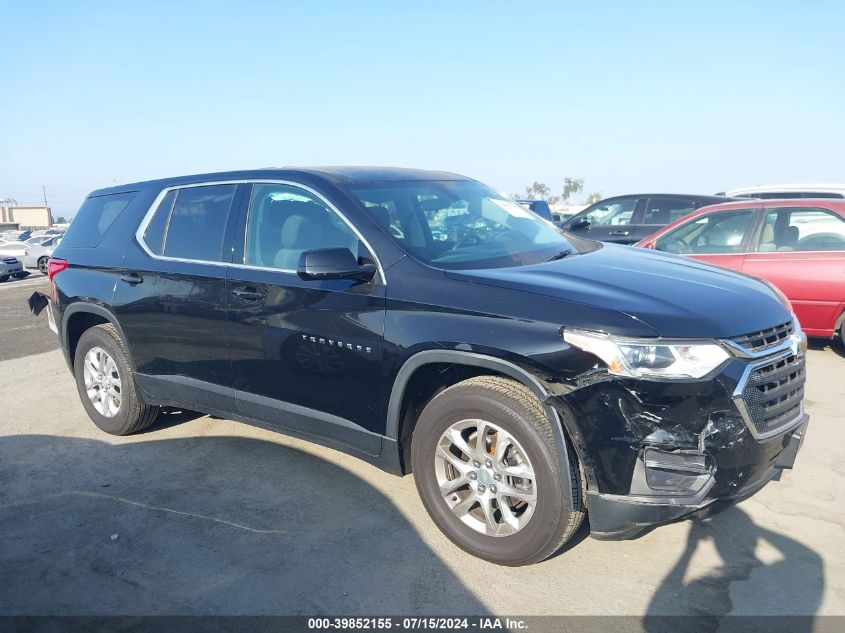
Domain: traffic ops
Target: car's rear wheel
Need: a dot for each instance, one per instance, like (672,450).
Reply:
(106,384)
(43,264)
(487,468)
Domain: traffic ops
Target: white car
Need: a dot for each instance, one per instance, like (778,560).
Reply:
(13,249)
(38,255)
(816,190)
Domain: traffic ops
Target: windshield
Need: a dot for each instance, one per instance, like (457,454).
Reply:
(462,224)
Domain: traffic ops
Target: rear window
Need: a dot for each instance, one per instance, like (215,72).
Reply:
(94,218)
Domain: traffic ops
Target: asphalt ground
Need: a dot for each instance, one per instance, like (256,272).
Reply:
(20,333)
(207,516)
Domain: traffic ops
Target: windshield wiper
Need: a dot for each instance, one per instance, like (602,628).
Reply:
(560,255)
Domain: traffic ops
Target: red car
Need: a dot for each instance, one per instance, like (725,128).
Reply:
(797,245)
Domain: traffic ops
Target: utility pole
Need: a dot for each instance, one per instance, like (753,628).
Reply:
(44,189)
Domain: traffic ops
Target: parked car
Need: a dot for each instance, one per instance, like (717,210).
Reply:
(784,192)
(37,240)
(540,207)
(10,267)
(628,219)
(37,256)
(14,235)
(46,233)
(797,245)
(13,249)
(524,375)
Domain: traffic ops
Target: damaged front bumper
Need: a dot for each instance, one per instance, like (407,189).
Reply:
(657,451)
(625,516)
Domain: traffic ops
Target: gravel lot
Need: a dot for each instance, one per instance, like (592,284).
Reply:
(200,515)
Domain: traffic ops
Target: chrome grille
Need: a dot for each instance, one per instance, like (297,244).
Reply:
(764,339)
(774,392)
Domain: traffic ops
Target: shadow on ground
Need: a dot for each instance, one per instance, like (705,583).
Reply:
(835,344)
(762,573)
(219,525)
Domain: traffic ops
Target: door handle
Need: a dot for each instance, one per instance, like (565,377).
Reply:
(133,279)
(248,294)
(619,233)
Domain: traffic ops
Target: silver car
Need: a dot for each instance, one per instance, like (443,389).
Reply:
(10,266)
(38,255)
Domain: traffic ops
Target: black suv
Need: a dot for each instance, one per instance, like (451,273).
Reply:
(423,322)
(628,219)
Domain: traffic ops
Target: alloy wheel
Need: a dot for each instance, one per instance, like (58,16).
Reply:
(102,382)
(485,477)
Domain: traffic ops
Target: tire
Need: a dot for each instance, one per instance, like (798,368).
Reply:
(842,333)
(43,263)
(131,415)
(4,278)
(519,418)
(21,275)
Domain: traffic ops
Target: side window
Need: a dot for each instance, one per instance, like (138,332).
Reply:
(802,229)
(613,212)
(718,232)
(663,211)
(198,222)
(285,221)
(154,233)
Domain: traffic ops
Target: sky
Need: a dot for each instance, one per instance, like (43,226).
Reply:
(691,97)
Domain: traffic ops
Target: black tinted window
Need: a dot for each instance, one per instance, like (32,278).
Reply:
(198,222)
(94,218)
(663,211)
(617,211)
(154,235)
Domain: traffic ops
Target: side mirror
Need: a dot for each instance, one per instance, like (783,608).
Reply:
(333,263)
(579,223)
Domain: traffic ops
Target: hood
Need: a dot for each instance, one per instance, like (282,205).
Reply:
(677,297)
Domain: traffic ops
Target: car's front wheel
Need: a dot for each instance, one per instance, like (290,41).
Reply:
(106,384)
(487,468)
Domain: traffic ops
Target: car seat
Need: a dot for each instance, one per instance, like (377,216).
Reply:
(308,226)
(767,239)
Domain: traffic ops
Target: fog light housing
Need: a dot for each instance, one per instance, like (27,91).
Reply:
(680,475)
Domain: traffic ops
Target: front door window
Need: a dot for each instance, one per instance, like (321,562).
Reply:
(719,232)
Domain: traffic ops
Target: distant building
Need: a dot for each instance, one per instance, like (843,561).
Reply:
(26,217)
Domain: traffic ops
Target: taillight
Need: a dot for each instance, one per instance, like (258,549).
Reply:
(55,266)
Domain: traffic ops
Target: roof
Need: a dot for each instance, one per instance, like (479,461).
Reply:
(666,195)
(823,187)
(337,175)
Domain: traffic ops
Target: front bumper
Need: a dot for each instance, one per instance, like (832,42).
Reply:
(624,516)
(10,269)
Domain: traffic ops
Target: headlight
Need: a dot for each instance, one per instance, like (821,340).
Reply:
(644,358)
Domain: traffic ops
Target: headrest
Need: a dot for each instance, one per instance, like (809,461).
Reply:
(299,230)
(791,235)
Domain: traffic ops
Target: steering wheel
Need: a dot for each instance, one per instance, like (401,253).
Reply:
(677,247)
